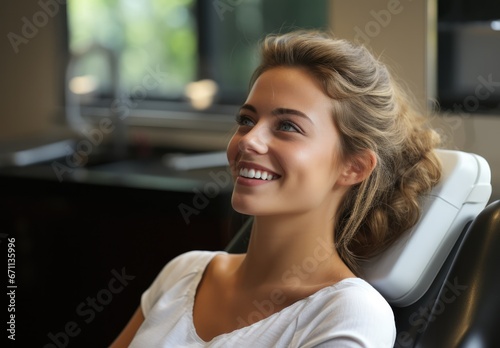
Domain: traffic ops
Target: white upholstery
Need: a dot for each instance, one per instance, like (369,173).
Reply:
(404,272)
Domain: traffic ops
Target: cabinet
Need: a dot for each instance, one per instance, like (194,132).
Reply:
(85,251)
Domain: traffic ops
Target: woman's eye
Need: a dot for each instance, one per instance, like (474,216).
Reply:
(287,127)
(244,120)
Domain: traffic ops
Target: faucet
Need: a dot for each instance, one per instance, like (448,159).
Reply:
(74,117)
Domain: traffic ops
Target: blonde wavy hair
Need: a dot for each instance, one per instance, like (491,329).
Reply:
(371,112)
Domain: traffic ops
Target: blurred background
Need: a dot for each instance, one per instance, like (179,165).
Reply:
(117,114)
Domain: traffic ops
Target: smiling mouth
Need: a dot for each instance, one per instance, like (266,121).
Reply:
(257,174)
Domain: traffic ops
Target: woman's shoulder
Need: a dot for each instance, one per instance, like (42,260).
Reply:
(349,286)
(194,257)
(351,307)
(184,266)
(176,276)
(188,262)
(356,295)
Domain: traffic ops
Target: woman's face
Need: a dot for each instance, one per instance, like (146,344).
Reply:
(284,156)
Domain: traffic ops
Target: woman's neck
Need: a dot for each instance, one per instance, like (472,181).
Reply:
(292,251)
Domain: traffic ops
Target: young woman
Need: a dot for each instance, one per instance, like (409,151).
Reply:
(330,159)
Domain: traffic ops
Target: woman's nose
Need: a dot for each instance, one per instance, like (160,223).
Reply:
(256,141)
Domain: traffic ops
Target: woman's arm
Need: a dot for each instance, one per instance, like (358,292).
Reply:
(128,333)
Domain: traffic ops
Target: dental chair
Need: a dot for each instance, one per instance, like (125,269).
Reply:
(442,278)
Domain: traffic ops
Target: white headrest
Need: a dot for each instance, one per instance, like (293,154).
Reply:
(404,272)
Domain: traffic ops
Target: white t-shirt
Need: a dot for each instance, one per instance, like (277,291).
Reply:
(350,313)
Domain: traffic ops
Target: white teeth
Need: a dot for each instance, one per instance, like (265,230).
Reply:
(255,174)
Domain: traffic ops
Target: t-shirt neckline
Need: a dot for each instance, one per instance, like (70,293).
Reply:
(194,286)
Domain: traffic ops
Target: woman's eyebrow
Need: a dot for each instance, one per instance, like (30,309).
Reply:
(278,111)
(285,111)
(248,107)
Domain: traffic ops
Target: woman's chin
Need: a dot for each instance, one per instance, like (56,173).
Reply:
(246,207)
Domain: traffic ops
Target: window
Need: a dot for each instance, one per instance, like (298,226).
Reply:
(154,43)
(175,51)
(468,55)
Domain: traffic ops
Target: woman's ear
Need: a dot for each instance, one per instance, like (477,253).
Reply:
(358,168)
